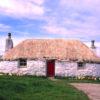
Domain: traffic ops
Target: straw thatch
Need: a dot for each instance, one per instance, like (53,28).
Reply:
(51,49)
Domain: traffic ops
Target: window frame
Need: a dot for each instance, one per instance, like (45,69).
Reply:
(22,63)
(81,65)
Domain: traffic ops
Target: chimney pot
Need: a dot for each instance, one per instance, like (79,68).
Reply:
(9,35)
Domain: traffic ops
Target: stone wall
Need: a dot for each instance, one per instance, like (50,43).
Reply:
(38,68)
(89,70)
(8,66)
(63,68)
(97,69)
(35,67)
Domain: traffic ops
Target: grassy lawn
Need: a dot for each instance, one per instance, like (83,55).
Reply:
(71,80)
(37,88)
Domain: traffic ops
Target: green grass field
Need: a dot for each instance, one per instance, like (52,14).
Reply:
(73,80)
(37,88)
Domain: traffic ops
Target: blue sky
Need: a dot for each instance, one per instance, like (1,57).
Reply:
(70,19)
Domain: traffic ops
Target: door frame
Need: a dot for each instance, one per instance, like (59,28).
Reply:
(52,60)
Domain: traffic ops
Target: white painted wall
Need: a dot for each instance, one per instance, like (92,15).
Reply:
(64,68)
(8,66)
(38,68)
(70,69)
(89,70)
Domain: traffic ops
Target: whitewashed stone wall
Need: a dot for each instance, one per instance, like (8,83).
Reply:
(39,68)
(97,70)
(34,67)
(89,70)
(63,68)
(8,67)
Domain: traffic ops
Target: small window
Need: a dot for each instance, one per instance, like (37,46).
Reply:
(22,62)
(81,65)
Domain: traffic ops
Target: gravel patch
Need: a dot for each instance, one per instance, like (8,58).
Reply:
(92,90)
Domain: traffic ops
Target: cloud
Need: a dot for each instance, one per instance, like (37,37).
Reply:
(70,18)
(38,2)
(80,4)
(22,8)
(74,18)
(71,28)
(55,30)
(4,28)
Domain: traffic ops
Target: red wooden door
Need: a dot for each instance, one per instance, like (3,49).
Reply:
(51,68)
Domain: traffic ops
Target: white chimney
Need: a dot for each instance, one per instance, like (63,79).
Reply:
(9,43)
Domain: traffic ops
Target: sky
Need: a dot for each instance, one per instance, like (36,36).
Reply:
(68,19)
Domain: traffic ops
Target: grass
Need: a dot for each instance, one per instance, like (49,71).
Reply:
(73,80)
(37,88)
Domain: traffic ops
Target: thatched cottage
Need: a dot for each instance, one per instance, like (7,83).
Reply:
(50,57)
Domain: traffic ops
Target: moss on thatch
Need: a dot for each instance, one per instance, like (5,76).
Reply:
(51,49)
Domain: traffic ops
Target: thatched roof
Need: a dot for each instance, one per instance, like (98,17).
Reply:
(51,49)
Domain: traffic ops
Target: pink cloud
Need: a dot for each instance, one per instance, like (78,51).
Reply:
(22,8)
